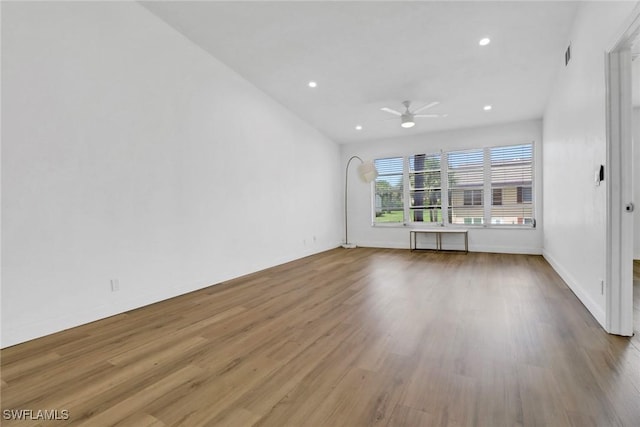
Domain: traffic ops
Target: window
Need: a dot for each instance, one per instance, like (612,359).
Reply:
(389,190)
(473,197)
(524,195)
(425,188)
(486,186)
(496,198)
(466,181)
(512,175)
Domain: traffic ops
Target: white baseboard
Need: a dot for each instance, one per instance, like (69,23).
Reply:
(596,311)
(382,245)
(472,248)
(523,250)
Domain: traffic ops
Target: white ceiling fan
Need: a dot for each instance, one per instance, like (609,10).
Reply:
(407,118)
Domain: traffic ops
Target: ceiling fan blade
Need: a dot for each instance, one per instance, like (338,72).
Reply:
(424,107)
(389,110)
(428,115)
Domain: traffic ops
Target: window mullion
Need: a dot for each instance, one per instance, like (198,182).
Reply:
(444,185)
(533,185)
(373,202)
(406,190)
(488,194)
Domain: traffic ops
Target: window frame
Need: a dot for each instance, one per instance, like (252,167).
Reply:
(374,194)
(526,222)
(486,191)
(411,190)
(471,171)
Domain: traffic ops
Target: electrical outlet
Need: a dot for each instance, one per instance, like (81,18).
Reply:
(115,285)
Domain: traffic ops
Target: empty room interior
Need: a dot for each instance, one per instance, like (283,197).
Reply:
(320,213)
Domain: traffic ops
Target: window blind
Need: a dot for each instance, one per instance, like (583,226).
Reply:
(425,189)
(512,176)
(389,190)
(486,186)
(465,177)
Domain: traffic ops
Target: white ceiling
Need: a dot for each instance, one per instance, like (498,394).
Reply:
(367,55)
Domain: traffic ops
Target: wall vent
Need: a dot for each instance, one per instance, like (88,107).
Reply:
(567,56)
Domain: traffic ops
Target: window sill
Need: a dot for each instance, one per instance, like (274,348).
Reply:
(418,225)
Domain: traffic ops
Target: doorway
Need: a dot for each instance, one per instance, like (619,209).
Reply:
(635,100)
(620,251)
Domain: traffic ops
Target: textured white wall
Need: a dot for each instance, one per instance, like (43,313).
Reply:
(574,147)
(501,240)
(130,153)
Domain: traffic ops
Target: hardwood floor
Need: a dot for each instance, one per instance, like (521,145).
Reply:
(359,337)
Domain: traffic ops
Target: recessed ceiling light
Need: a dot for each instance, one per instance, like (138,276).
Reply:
(485,41)
(358,127)
(313,84)
(487,107)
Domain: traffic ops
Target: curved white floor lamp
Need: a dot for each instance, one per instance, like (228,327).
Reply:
(367,172)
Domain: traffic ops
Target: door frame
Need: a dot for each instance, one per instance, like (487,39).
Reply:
(618,179)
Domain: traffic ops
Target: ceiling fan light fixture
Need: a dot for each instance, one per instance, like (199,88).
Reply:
(407,121)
